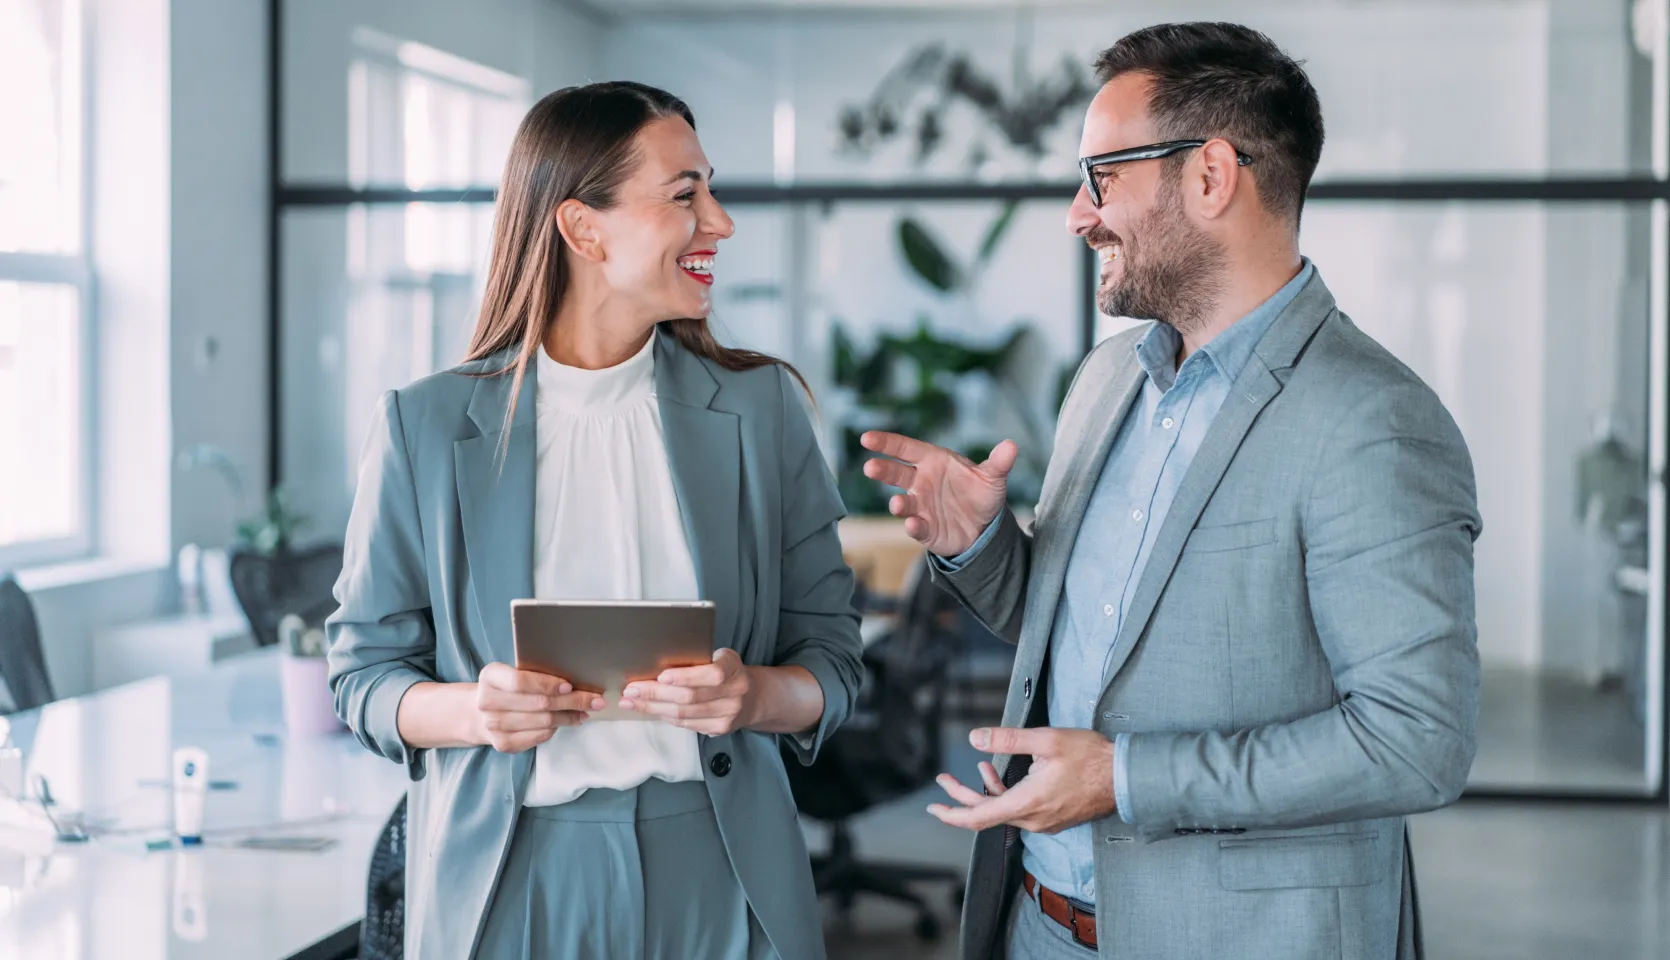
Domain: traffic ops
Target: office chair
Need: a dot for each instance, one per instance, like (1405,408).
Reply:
(890,747)
(383,931)
(22,663)
(268,586)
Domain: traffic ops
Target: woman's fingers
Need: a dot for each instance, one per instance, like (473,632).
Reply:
(503,676)
(706,710)
(547,720)
(490,699)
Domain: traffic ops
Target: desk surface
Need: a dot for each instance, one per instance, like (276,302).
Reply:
(107,754)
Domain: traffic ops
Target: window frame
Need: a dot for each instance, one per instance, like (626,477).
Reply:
(72,269)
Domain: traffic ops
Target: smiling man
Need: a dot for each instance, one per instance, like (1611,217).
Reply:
(1244,613)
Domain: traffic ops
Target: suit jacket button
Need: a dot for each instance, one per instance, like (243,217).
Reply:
(721,764)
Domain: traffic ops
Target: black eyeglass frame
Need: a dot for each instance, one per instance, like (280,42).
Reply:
(1154,151)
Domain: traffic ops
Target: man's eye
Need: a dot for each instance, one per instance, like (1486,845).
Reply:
(686,196)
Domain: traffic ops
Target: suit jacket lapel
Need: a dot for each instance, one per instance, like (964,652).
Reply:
(497,504)
(704,453)
(1259,383)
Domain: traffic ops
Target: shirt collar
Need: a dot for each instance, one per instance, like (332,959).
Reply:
(1230,350)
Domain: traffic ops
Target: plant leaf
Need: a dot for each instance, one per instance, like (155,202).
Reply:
(845,356)
(999,227)
(927,258)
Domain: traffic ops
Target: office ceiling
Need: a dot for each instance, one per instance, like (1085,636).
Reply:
(631,8)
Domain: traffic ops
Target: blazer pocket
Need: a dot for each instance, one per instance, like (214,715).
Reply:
(1280,863)
(1232,536)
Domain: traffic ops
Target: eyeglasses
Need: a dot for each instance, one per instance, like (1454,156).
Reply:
(1154,151)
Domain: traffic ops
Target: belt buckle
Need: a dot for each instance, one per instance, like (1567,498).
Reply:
(1073,923)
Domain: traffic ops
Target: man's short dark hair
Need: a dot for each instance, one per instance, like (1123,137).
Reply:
(1225,80)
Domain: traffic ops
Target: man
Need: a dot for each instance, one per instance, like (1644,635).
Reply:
(1245,609)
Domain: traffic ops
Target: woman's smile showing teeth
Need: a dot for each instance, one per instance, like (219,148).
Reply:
(699,266)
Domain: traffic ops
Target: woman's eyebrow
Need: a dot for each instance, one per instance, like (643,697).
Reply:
(689,175)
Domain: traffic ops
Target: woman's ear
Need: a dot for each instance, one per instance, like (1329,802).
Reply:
(577,224)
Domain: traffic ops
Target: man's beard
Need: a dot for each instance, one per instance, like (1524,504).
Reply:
(1173,274)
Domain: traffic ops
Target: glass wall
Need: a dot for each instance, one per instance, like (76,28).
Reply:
(1539,323)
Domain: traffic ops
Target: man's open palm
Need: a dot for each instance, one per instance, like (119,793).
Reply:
(948,499)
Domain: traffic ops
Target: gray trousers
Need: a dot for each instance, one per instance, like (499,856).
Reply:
(622,875)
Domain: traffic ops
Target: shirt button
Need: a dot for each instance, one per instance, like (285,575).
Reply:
(1136,514)
(1168,423)
(1107,610)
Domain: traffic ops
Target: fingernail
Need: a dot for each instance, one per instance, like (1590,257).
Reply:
(980,738)
(630,692)
(629,705)
(598,704)
(566,688)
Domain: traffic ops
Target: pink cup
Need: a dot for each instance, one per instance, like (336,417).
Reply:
(308,706)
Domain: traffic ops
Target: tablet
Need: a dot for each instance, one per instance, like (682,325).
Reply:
(601,646)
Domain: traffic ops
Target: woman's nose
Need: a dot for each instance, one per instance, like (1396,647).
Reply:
(718,222)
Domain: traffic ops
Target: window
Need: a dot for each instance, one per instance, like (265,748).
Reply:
(410,273)
(44,285)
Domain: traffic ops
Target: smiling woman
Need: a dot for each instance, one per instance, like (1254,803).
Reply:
(632,195)
(644,461)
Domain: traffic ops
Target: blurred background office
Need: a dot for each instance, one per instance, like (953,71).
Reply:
(226,226)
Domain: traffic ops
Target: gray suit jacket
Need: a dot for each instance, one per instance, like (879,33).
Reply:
(1298,669)
(440,541)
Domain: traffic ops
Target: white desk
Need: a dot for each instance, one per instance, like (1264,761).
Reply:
(110,898)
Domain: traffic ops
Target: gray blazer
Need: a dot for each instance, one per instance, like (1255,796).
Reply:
(440,541)
(1298,669)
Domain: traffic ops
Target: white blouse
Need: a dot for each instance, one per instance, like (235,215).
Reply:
(607,527)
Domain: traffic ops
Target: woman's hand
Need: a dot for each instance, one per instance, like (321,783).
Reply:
(517,710)
(714,699)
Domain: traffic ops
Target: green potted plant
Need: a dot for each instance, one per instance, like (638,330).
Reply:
(906,383)
(270,576)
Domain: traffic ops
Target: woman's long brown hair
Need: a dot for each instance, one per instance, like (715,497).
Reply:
(577,143)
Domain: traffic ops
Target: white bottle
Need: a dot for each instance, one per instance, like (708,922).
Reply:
(191,784)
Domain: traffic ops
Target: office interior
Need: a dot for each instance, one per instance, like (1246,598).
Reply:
(228,226)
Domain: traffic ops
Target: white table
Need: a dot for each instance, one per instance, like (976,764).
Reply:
(111,898)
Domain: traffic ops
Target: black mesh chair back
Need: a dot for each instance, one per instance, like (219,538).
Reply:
(22,663)
(909,673)
(383,931)
(299,582)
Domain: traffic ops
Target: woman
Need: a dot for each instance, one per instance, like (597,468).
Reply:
(598,444)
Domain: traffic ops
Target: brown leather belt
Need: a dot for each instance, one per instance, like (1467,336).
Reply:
(1081,923)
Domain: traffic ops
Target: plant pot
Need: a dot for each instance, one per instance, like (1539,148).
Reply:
(308,705)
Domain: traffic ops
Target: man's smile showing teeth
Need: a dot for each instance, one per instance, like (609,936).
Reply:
(1105,256)
(699,266)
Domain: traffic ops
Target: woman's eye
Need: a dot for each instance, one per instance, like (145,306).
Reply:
(686,196)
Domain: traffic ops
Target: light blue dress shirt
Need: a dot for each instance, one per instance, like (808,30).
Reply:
(1152,452)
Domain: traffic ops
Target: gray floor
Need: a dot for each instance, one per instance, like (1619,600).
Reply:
(1540,731)
(1507,881)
